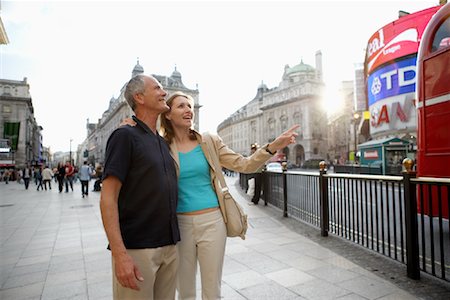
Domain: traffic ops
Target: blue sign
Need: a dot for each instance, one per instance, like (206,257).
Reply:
(392,80)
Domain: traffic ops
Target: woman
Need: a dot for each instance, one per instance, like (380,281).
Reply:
(202,229)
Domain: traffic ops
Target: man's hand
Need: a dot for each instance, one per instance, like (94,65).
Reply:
(126,271)
(284,139)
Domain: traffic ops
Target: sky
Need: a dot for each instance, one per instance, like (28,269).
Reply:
(76,55)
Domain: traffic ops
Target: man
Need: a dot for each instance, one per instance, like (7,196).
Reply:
(139,198)
(258,178)
(27,173)
(85,176)
(47,176)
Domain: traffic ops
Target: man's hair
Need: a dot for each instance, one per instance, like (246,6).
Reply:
(135,86)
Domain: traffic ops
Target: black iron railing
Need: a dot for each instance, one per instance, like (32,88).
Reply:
(402,217)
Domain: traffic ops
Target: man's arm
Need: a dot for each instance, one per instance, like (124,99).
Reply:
(126,271)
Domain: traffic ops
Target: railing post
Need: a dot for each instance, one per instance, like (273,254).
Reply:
(411,227)
(285,207)
(323,193)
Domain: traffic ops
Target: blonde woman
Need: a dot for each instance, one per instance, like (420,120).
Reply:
(202,229)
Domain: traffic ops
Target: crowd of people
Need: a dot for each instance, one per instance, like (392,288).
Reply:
(64,175)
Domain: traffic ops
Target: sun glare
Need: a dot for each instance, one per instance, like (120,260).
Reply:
(332,100)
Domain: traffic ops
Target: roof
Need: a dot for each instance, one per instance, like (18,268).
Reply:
(385,142)
(300,68)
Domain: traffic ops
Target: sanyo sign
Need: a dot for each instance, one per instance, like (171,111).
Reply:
(391,91)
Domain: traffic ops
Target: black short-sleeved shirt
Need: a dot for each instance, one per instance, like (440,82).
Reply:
(148,198)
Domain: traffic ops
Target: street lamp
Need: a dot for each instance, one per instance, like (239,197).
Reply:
(356,117)
(70,152)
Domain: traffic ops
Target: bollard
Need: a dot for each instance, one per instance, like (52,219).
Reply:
(411,227)
(323,185)
(285,207)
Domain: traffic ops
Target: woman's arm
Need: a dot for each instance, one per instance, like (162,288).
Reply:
(238,163)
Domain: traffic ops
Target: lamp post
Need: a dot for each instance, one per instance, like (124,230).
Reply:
(356,117)
(70,152)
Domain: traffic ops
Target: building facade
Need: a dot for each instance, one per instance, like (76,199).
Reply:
(296,100)
(93,148)
(18,124)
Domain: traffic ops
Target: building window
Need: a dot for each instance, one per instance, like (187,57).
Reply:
(271,125)
(7,90)
(6,108)
(442,38)
(284,123)
(316,151)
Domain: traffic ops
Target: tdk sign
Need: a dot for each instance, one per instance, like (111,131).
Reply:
(395,79)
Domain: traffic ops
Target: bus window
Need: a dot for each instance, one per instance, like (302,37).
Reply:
(442,38)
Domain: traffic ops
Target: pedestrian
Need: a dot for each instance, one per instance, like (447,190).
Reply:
(38,174)
(85,176)
(202,229)
(47,176)
(6,176)
(257,176)
(139,198)
(98,180)
(68,179)
(27,173)
(61,176)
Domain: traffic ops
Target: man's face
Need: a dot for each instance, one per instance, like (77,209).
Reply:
(154,96)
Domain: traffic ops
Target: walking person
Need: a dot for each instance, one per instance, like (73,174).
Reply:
(139,199)
(47,176)
(38,176)
(202,229)
(69,174)
(61,176)
(257,177)
(27,173)
(85,176)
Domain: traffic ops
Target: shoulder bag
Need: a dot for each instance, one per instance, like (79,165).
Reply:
(236,218)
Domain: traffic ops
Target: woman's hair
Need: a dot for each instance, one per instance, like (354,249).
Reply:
(166,128)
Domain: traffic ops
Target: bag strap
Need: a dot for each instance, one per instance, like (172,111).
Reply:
(214,154)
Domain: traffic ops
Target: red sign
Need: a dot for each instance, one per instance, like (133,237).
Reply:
(371,154)
(397,39)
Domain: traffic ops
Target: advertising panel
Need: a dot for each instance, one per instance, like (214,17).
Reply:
(391,92)
(397,39)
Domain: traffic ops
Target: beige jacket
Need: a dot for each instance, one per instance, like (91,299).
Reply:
(227,158)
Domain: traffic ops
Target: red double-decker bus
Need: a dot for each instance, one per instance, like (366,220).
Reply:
(433,104)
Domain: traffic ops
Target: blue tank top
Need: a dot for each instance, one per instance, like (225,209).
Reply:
(195,191)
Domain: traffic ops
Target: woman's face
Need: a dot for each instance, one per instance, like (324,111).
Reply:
(181,112)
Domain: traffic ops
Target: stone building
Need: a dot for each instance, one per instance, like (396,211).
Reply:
(93,148)
(18,125)
(296,100)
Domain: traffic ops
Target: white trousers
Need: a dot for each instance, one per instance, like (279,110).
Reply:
(203,239)
(158,266)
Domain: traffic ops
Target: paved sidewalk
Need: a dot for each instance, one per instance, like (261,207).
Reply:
(53,247)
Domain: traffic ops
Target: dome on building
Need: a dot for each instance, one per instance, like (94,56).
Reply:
(176,74)
(263,86)
(300,68)
(138,69)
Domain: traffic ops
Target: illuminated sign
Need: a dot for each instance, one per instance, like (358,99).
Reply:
(397,39)
(370,154)
(393,114)
(395,79)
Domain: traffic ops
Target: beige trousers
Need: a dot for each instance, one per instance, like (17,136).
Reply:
(159,267)
(203,239)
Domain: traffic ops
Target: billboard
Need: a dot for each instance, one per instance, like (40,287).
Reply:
(397,39)
(390,69)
